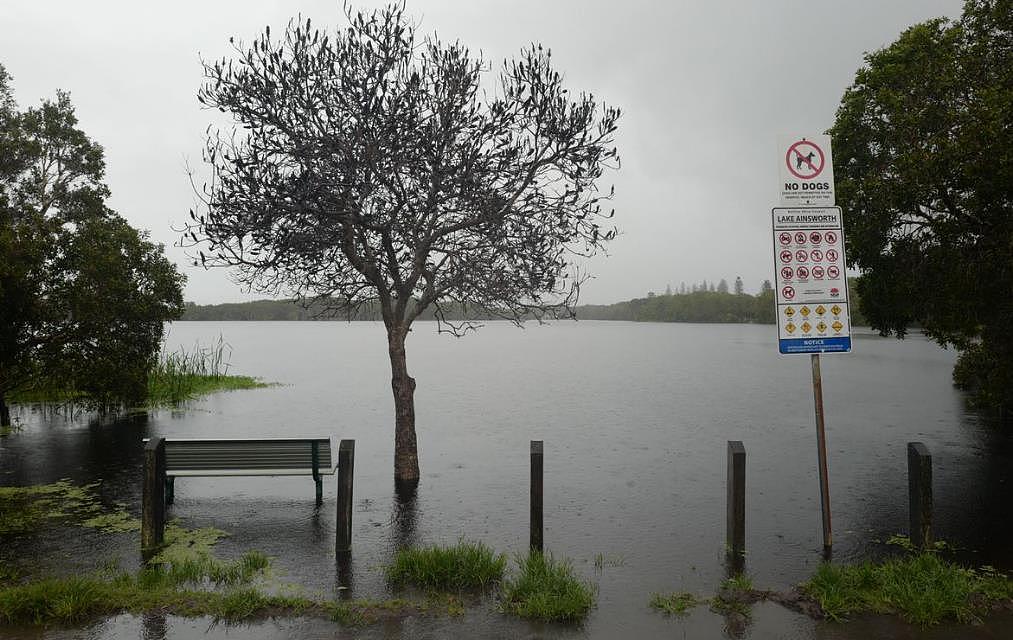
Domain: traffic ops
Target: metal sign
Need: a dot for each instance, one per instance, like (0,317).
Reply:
(807,171)
(810,283)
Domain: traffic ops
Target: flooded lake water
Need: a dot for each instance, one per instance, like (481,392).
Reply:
(635,419)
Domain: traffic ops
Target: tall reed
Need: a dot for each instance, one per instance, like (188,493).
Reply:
(181,375)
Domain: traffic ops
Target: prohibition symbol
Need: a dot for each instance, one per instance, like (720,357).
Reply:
(833,272)
(816,255)
(831,255)
(787,273)
(784,238)
(803,272)
(831,237)
(815,237)
(805,160)
(818,272)
(788,292)
(785,256)
(799,238)
(801,255)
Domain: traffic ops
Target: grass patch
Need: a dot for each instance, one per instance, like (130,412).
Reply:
(184,375)
(678,603)
(601,561)
(27,509)
(464,565)
(547,590)
(735,597)
(187,558)
(76,599)
(923,589)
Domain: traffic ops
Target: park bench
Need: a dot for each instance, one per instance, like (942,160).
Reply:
(198,457)
(165,460)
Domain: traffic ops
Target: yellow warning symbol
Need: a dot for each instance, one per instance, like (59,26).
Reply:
(789,311)
(821,326)
(837,325)
(790,327)
(806,327)
(820,310)
(836,310)
(804,311)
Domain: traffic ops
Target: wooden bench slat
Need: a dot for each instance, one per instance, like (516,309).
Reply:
(260,456)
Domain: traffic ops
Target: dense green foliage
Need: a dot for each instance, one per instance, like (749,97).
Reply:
(699,306)
(924,171)
(83,296)
(922,589)
(464,565)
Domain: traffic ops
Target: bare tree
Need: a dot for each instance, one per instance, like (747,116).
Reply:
(369,166)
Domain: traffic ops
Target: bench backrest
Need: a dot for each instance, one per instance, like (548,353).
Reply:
(284,455)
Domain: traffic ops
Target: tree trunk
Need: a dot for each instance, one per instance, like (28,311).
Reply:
(406,457)
(5,412)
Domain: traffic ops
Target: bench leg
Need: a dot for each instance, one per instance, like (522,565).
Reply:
(170,489)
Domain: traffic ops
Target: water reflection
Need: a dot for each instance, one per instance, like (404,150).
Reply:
(154,626)
(405,515)
(344,584)
(628,477)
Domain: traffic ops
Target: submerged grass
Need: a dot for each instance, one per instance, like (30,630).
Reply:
(735,597)
(184,375)
(27,509)
(465,565)
(547,590)
(923,589)
(678,603)
(184,578)
(357,613)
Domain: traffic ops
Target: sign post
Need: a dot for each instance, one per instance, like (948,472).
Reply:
(811,287)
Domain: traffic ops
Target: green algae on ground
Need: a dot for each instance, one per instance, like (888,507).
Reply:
(187,557)
(27,509)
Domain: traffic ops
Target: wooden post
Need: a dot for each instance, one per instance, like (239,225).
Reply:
(346,460)
(315,456)
(736,524)
(919,488)
(153,498)
(537,539)
(821,452)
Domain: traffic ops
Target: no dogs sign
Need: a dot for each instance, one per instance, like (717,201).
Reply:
(807,171)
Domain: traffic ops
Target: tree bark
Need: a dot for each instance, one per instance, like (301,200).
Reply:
(406,458)
(5,412)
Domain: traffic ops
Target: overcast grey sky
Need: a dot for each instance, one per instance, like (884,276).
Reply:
(705,88)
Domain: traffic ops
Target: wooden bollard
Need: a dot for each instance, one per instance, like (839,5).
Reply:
(919,488)
(153,498)
(346,462)
(537,540)
(735,537)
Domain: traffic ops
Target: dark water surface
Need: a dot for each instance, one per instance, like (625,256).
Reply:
(635,419)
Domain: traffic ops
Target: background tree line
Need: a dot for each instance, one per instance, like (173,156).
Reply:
(695,303)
